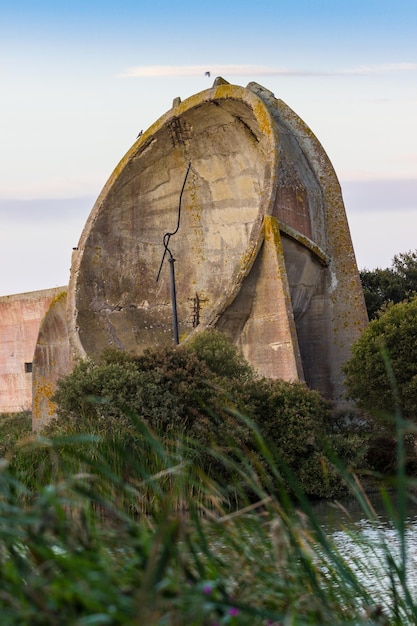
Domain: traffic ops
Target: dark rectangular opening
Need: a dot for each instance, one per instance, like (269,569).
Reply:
(28,368)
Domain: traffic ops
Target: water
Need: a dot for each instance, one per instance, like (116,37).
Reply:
(375,550)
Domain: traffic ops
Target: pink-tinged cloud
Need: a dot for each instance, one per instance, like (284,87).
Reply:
(381,196)
(166,71)
(383,68)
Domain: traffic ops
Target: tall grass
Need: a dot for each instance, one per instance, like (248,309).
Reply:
(145,537)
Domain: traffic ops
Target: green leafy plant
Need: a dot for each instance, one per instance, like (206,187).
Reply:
(192,393)
(72,553)
(215,349)
(394,334)
(390,285)
(145,534)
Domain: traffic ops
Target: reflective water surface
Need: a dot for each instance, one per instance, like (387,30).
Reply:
(375,549)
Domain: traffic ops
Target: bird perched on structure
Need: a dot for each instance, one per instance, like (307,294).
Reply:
(207,74)
(140,134)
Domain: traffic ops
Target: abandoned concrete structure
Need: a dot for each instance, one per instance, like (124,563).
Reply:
(236,189)
(20,317)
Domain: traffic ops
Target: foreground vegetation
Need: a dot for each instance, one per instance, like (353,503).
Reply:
(190,395)
(385,356)
(176,489)
(74,549)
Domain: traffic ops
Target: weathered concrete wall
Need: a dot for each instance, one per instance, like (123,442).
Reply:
(260,319)
(336,314)
(253,214)
(227,135)
(51,360)
(20,318)
(237,189)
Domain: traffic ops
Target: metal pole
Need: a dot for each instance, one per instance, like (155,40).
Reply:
(171,261)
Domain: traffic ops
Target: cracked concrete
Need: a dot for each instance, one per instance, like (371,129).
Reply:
(262,247)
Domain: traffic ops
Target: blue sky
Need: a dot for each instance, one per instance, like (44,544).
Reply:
(80,79)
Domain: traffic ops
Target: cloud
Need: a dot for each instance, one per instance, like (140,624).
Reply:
(383,68)
(45,211)
(56,188)
(380,196)
(36,241)
(166,71)
(377,237)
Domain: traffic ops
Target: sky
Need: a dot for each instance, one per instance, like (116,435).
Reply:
(79,80)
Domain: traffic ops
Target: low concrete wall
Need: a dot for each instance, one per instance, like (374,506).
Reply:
(20,319)
(51,360)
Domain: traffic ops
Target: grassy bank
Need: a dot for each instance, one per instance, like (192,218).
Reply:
(13,426)
(161,542)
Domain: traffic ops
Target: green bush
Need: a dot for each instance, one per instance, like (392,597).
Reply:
(73,549)
(394,284)
(171,390)
(193,394)
(389,342)
(220,355)
(65,561)
(300,428)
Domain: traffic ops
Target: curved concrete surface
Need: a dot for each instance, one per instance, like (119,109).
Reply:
(226,137)
(235,186)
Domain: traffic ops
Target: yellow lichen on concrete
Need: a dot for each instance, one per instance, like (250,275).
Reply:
(59,297)
(42,404)
(268,339)
(287,285)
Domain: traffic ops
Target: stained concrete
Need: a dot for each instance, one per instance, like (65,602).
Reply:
(234,187)
(51,360)
(227,136)
(20,318)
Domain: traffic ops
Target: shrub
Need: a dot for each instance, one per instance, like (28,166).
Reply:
(220,355)
(392,336)
(63,563)
(170,389)
(394,284)
(194,394)
(299,427)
